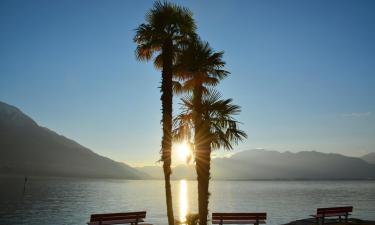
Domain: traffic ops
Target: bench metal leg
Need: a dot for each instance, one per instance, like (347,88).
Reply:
(320,220)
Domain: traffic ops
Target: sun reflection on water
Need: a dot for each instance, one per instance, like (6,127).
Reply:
(183,201)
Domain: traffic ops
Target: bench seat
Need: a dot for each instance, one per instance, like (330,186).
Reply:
(239,218)
(124,221)
(322,213)
(238,222)
(133,218)
(331,215)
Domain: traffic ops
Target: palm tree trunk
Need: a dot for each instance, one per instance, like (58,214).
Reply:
(166,145)
(203,171)
(201,141)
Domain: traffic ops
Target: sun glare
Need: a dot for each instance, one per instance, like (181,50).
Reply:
(183,151)
(183,200)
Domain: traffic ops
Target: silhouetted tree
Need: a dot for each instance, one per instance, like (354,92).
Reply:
(199,67)
(167,27)
(218,128)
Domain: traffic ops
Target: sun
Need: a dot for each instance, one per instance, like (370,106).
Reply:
(184,151)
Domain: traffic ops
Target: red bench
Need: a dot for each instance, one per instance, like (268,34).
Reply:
(339,212)
(239,218)
(132,218)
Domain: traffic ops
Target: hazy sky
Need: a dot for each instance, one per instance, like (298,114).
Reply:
(303,72)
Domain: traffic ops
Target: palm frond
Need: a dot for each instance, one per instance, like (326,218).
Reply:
(177,87)
(218,115)
(198,64)
(165,21)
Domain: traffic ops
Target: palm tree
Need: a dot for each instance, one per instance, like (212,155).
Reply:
(199,67)
(220,130)
(167,27)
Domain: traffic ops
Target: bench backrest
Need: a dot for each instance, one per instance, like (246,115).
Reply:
(334,210)
(239,216)
(118,216)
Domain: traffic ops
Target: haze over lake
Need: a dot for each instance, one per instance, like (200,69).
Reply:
(71,201)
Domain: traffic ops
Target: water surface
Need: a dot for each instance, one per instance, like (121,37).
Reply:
(71,201)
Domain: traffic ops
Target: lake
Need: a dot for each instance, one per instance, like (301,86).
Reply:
(66,201)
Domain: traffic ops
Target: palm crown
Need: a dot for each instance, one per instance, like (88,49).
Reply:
(165,22)
(218,116)
(198,66)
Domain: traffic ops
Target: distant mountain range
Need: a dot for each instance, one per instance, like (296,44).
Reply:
(268,165)
(29,149)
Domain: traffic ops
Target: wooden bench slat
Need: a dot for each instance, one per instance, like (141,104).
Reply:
(120,213)
(131,220)
(238,214)
(117,218)
(139,214)
(104,222)
(239,221)
(332,214)
(232,215)
(340,207)
(334,210)
(239,218)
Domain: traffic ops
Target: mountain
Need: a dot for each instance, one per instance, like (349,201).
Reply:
(370,158)
(29,149)
(263,164)
(268,165)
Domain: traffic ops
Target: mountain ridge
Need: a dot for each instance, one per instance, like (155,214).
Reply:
(27,148)
(273,165)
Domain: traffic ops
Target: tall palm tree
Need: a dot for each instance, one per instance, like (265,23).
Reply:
(167,27)
(199,67)
(220,130)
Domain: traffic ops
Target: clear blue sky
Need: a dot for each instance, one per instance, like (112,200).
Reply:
(303,72)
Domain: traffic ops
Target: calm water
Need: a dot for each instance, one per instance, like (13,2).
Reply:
(71,201)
